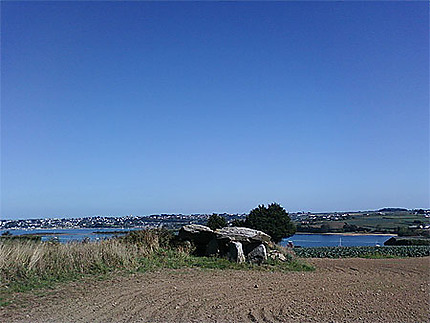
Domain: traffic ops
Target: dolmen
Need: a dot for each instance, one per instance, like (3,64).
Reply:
(239,244)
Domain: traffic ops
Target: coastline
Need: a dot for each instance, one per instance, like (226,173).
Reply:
(351,234)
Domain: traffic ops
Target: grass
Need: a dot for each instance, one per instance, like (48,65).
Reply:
(4,302)
(387,222)
(29,265)
(176,260)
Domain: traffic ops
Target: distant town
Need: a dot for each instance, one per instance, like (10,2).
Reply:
(386,220)
(169,221)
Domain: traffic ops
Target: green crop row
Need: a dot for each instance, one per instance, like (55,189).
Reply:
(363,252)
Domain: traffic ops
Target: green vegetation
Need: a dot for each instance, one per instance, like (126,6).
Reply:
(27,265)
(273,220)
(238,223)
(165,258)
(216,221)
(389,220)
(148,240)
(363,252)
(396,241)
(21,238)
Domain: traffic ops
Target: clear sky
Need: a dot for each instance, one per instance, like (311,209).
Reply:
(117,108)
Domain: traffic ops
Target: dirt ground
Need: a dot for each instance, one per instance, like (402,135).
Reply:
(340,290)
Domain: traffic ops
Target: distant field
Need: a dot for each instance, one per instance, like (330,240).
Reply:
(391,221)
(374,221)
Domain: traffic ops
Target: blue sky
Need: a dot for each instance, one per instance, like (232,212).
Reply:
(119,108)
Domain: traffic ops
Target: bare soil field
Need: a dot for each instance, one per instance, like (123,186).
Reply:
(339,290)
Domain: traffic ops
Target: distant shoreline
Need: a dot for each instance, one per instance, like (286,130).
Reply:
(350,233)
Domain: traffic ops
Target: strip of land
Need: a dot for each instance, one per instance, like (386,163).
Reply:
(339,290)
(349,233)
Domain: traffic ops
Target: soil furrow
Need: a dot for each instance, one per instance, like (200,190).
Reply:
(339,290)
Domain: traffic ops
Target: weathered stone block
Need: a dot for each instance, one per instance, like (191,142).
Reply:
(236,252)
(258,254)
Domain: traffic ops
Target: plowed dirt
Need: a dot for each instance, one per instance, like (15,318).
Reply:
(339,290)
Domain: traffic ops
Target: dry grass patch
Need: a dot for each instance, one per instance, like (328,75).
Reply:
(27,265)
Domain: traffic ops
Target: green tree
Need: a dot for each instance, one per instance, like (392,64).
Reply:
(216,221)
(273,220)
(238,223)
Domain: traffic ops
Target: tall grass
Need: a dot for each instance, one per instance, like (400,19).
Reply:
(29,262)
(23,259)
(25,265)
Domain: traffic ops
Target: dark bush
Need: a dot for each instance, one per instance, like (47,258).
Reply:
(238,223)
(216,221)
(273,220)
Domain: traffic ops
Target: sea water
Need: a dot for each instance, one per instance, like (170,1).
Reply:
(301,239)
(335,240)
(66,235)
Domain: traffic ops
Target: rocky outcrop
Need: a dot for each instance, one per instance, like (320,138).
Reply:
(199,235)
(243,235)
(196,233)
(276,255)
(239,244)
(258,254)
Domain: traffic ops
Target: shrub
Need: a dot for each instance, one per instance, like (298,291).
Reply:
(238,223)
(216,221)
(273,220)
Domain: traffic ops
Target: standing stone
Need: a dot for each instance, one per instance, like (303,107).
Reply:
(258,254)
(236,252)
